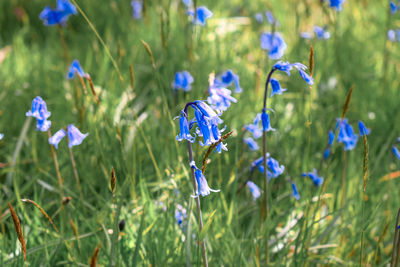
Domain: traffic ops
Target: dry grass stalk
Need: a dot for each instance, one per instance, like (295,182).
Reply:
(147,47)
(93,260)
(18,229)
(42,211)
(211,148)
(92,89)
(132,76)
(347,102)
(113,181)
(365,161)
(311,60)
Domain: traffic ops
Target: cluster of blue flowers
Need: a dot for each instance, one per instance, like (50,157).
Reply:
(59,15)
(274,43)
(320,33)
(199,16)
(394,7)
(180,215)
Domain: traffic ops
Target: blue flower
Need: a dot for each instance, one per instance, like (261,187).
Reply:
(226,79)
(346,134)
(254,189)
(76,69)
(306,35)
(208,111)
(183,80)
(253,128)
(202,13)
(331,137)
(220,98)
(259,17)
(252,144)
(274,44)
(39,111)
(1,136)
(180,214)
(336,4)
(363,129)
(321,33)
(270,17)
(59,15)
(314,177)
(396,152)
(391,35)
(295,194)
(283,66)
(202,186)
(265,122)
(301,68)
(393,7)
(184,129)
(75,137)
(272,164)
(276,88)
(187,3)
(137,8)
(57,137)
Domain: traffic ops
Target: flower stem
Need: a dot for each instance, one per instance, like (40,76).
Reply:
(78,183)
(264,207)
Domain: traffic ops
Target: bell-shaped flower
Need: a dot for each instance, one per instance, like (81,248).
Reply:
(187,3)
(301,68)
(76,69)
(226,79)
(274,44)
(295,193)
(266,122)
(75,137)
(276,88)
(283,66)
(202,13)
(183,80)
(346,134)
(336,4)
(202,185)
(363,129)
(251,143)
(306,35)
(208,112)
(270,17)
(254,189)
(1,136)
(57,137)
(137,9)
(220,98)
(180,215)
(259,17)
(59,15)
(317,180)
(39,111)
(184,129)
(396,152)
(321,33)
(203,128)
(274,169)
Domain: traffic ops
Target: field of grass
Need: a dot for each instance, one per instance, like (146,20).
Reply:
(349,220)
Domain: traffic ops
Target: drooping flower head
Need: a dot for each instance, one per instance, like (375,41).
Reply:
(363,129)
(226,79)
(57,137)
(336,4)
(393,7)
(331,137)
(274,44)
(75,137)
(317,180)
(76,69)
(202,13)
(270,17)
(274,169)
(396,152)
(254,189)
(295,193)
(59,15)
(321,33)
(266,122)
(183,80)
(276,88)
(346,134)
(220,98)
(202,185)
(251,143)
(187,3)
(137,8)
(287,67)
(39,111)
(184,129)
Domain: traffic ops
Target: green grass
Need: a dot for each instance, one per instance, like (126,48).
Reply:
(151,167)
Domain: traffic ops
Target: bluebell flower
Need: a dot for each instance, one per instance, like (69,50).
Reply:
(254,129)
(266,122)
(39,111)
(75,137)
(274,44)
(363,129)
(270,17)
(391,35)
(202,13)
(321,33)
(57,137)
(203,128)
(306,35)
(331,137)
(137,9)
(220,98)
(301,68)
(76,69)
(226,79)
(317,180)
(59,15)
(274,169)
(254,189)
(183,80)
(1,136)
(259,17)
(396,152)
(187,3)
(180,214)
(251,143)
(202,185)
(216,135)
(336,4)
(184,129)
(346,134)
(208,111)
(295,194)
(276,88)
(283,66)
(393,7)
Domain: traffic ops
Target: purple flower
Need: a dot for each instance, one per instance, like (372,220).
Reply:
(76,69)
(274,44)
(314,177)
(57,137)
(301,68)
(202,184)
(137,8)
(39,111)
(259,17)
(283,66)
(270,17)
(75,137)
(226,79)
(393,7)
(59,15)
(336,4)
(180,214)
(346,134)
(252,144)
(183,80)
(202,13)
(254,189)
(274,169)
